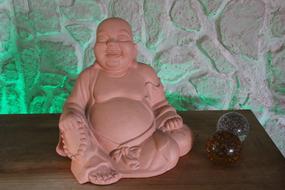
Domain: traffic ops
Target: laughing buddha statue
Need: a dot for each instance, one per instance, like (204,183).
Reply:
(117,122)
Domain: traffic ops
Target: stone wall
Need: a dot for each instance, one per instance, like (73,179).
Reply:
(209,54)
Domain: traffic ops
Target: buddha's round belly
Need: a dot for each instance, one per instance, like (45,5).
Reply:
(120,119)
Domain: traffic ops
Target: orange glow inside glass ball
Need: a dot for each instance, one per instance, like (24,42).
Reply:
(223,148)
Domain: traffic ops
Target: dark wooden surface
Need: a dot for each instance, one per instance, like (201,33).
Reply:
(28,159)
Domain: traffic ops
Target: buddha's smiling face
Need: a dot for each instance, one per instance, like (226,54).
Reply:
(115,50)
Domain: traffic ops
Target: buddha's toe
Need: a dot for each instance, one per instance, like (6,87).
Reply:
(104,175)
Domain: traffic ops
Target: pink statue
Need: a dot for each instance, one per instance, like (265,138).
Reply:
(117,123)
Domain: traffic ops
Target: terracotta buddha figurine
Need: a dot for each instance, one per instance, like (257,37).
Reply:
(117,122)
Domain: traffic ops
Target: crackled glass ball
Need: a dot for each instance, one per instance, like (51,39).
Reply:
(223,148)
(235,123)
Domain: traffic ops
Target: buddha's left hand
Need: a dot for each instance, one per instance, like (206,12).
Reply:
(172,124)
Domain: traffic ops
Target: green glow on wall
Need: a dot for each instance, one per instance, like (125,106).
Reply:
(38,69)
(37,75)
(11,78)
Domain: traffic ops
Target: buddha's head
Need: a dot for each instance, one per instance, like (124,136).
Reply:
(114,49)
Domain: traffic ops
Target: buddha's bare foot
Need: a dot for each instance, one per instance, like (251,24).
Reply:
(104,175)
(172,124)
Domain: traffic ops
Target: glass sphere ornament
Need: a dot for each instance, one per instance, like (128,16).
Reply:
(223,148)
(234,123)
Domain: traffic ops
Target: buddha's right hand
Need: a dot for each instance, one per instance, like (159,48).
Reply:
(73,132)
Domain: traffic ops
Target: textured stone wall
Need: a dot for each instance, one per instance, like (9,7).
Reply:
(209,54)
